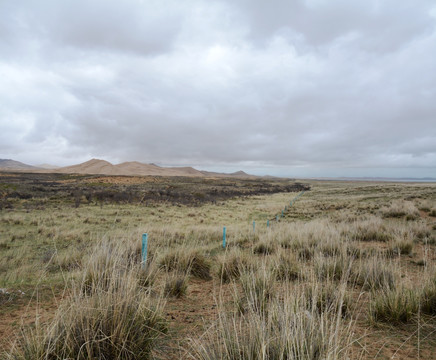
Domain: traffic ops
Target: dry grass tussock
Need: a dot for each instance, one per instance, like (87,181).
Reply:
(288,328)
(375,273)
(107,316)
(400,209)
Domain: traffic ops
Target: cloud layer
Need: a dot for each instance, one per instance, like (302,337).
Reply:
(306,88)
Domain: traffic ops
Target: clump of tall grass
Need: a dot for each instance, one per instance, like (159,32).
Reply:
(104,269)
(428,299)
(232,264)
(371,229)
(331,268)
(176,284)
(306,253)
(355,252)
(244,240)
(257,289)
(375,274)
(286,268)
(263,248)
(394,306)
(330,248)
(329,298)
(107,316)
(399,209)
(400,247)
(287,329)
(186,260)
(147,275)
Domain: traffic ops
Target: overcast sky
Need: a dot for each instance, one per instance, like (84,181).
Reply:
(291,88)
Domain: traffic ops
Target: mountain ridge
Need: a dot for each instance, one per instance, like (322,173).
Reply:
(15,165)
(128,168)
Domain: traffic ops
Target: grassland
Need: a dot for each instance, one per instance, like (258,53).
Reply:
(347,272)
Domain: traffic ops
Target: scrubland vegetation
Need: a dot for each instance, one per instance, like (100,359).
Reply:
(347,273)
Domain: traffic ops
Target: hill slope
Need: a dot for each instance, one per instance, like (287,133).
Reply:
(131,168)
(135,168)
(9,164)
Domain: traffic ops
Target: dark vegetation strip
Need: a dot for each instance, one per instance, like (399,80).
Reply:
(78,189)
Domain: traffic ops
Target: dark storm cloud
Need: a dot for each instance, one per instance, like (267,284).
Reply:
(285,87)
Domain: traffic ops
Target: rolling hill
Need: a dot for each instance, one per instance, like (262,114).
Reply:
(9,164)
(131,168)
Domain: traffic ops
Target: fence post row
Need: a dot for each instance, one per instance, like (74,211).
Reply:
(144,248)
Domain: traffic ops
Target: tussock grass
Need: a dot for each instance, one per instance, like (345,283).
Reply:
(331,268)
(232,264)
(375,273)
(306,253)
(104,270)
(107,316)
(372,229)
(147,276)
(329,298)
(428,299)
(400,247)
(187,260)
(176,284)
(400,209)
(330,248)
(286,268)
(263,248)
(395,306)
(287,329)
(258,288)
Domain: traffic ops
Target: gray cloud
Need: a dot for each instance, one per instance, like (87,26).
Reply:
(290,88)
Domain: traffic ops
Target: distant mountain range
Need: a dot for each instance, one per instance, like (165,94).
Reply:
(102,167)
(8,164)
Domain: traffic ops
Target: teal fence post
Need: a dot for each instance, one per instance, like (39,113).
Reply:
(267,223)
(254,226)
(144,249)
(224,237)
(277,217)
(282,213)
